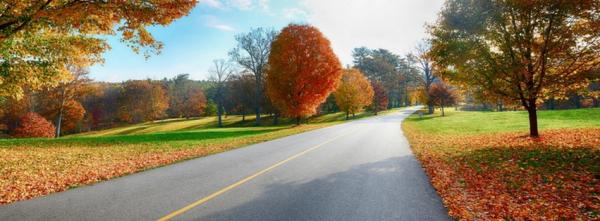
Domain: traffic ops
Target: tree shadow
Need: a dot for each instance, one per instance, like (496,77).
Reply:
(148,138)
(391,189)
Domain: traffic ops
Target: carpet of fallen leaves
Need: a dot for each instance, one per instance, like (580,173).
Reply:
(509,176)
(31,171)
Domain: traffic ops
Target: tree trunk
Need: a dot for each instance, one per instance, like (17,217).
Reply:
(347,115)
(353,115)
(297,120)
(276,119)
(533,122)
(430,108)
(443,114)
(219,114)
(58,124)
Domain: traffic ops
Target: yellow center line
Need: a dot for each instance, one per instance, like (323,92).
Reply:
(238,183)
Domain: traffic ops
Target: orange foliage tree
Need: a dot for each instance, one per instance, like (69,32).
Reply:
(354,92)
(142,100)
(519,50)
(195,103)
(441,95)
(303,70)
(380,98)
(39,38)
(34,125)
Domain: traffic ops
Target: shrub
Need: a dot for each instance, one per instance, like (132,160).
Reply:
(34,125)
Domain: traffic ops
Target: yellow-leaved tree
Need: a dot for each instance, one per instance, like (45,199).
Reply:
(40,38)
(354,92)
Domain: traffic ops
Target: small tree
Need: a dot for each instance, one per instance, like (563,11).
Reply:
(34,125)
(441,95)
(380,98)
(252,52)
(220,74)
(426,65)
(354,92)
(303,70)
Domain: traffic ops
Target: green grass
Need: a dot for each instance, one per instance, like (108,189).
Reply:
(187,133)
(477,122)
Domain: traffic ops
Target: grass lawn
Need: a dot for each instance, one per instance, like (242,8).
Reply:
(35,167)
(485,166)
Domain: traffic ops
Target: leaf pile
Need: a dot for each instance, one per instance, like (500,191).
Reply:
(511,176)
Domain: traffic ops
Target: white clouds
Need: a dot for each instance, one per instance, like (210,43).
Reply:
(396,25)
(211,3)
(214,22)
(243,5)
(294,13)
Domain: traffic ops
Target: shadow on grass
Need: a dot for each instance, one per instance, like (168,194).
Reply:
(141,138)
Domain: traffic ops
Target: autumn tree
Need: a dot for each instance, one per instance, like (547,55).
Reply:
(354,92)
(220,74)
(441,95)
(394,71)
(33,125)
(380,98)
(38,38)
(142,100)
(252,52)
(54,100)
(186,97)
(241,93)
(194,103)
(520,50)
(426,66)
(303,70)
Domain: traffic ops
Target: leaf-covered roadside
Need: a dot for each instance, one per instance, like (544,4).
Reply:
(29,170)
(511,176)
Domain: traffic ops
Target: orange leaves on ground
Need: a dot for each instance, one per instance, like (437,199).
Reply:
(37,170)
(303,70)
(509,175)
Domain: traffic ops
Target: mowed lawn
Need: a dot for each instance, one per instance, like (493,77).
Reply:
(486,167)
(35,167)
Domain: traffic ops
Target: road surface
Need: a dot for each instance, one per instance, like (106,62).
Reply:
(361,170)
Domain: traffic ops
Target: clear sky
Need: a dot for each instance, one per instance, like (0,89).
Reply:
(207,33)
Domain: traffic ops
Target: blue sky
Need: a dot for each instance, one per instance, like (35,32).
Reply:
(207,33)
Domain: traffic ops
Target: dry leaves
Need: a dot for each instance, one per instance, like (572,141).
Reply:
(511,176)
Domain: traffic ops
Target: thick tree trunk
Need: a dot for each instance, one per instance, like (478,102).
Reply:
(297,120)
(443,114)
(353,115)
(347,115)
(429,108)
(533,122)
(58,124)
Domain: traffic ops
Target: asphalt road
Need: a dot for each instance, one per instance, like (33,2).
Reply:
(361,170)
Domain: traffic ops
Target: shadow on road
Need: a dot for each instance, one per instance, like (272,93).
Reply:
(391,189)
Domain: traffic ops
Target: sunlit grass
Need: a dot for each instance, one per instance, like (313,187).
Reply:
(475,122)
